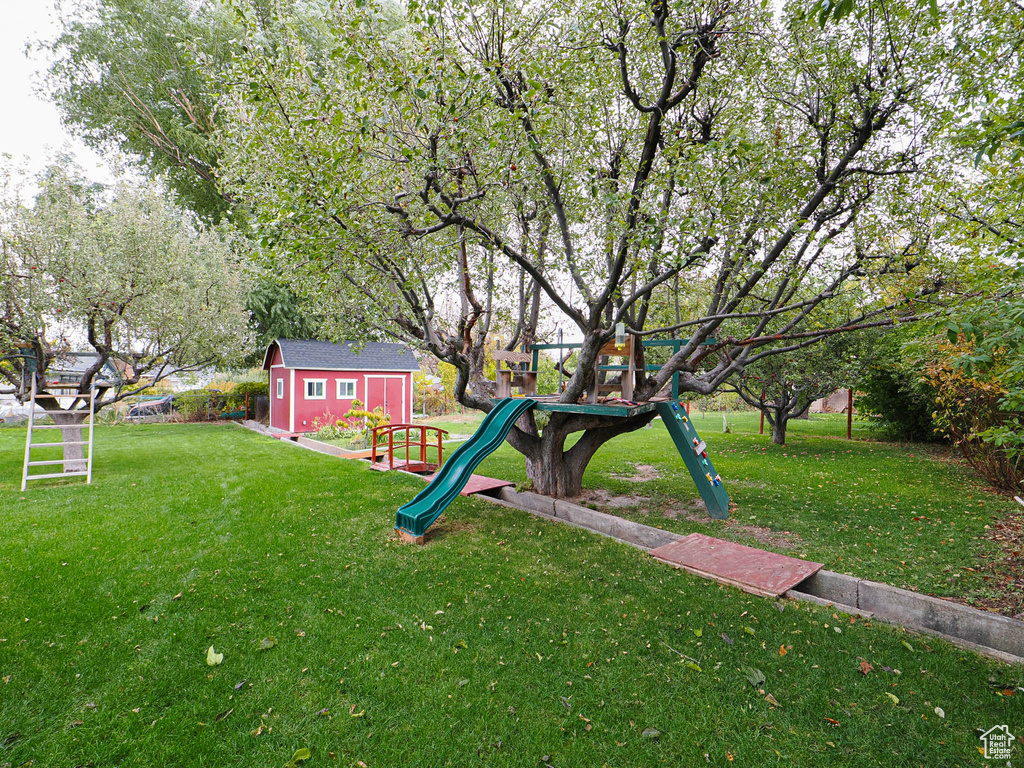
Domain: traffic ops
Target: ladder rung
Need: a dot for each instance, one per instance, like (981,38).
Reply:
(55,461)
(57,426)
(58,445)
(56,474)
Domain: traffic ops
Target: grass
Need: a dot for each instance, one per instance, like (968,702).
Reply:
(507,641)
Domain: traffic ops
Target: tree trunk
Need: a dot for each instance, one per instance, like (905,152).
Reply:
(555,471)
(71,431)
(779,429)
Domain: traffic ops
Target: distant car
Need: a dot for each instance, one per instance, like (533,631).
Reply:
(151,408)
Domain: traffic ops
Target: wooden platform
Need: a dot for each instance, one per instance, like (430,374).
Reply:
(406,466)
(550,403)
(753,570)
(482,484)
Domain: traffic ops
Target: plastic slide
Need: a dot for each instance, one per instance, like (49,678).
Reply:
(420,513)
(695,456)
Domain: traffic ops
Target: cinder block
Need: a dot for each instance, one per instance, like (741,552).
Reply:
(930,613)
(831,586)
(531,502)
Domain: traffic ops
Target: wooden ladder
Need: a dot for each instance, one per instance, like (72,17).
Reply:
(32,426)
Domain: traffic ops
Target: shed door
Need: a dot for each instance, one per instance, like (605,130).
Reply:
(374,392)
(393,401)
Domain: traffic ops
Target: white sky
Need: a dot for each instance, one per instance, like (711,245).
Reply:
(30,127)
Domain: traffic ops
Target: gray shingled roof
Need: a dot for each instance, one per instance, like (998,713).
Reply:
(374,355)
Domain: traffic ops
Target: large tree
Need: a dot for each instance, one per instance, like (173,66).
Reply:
(120,273)
(486,168)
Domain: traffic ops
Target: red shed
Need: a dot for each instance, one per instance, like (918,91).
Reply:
(319,379)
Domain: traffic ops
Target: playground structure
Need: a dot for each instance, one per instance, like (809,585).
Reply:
(414,518)
(408,464)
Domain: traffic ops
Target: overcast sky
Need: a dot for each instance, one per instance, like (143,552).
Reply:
(30,127)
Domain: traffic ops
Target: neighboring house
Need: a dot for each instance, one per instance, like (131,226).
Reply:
(309,379)
(69,367)
(837,402)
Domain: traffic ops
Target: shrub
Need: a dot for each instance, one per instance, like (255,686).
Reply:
(972,409)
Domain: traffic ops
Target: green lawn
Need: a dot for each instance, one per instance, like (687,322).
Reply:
(507,641)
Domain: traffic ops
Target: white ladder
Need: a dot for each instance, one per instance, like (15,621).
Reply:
(29,445)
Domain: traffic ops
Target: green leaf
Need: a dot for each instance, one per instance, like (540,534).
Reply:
(213,658)
(266,644)
(300,755)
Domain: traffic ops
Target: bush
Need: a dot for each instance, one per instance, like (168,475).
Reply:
(895,393)
(972,410)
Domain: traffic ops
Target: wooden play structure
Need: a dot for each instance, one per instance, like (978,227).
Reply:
(508,377)
(408,464)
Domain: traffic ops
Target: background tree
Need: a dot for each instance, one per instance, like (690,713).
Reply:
(447,179)
(782,387)
(122,273)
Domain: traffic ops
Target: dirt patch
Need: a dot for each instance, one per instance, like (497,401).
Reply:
(442,528)
(641,474)
(1004,573)
(601,499)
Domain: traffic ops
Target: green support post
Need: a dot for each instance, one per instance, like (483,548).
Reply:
(695,456)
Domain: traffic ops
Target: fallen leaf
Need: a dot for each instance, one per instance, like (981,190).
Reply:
(728,756)
(893,698)
(940,712)
(177,596)
(258,731)
(565,702)
(748,630)
(727,638)
(771,700)
(239,685)
(692,665)
(651,733)
(865,667)
(698,632)
(754,676)
(223,714)
(832,722)
(907,645)
(782,650)
(213,658)
(352,712)
(300,755)
(266,644)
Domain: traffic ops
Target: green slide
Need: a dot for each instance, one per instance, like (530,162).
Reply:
(420,513)
(695,456)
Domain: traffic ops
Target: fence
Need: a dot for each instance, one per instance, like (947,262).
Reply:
(195,407)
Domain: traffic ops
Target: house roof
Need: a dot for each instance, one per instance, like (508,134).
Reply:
(75,364)
(345,356)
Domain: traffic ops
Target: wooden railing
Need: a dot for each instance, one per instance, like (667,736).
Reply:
(420,465)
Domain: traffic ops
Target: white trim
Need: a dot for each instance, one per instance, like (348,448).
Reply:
(355,390)
(323,389)
(280,388)
(291,403)
(392,371)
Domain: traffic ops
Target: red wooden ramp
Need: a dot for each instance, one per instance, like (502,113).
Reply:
(480,484)
(752,570)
